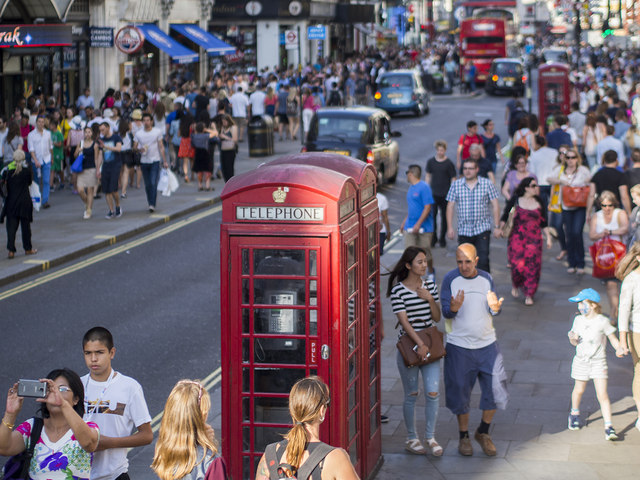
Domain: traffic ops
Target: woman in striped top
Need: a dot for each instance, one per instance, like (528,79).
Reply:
(415,303)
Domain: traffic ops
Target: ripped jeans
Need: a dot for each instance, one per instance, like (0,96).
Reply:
(431,381)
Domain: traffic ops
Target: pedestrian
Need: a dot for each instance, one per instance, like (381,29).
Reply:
(589,334)
(186,152)
(281,110)
(148,141)
(417,225)
(228,146)
(17,208)
(542,161)
(440,173)
(609,178)
(57,163)
(270,101)
(523,136)
(524,244)
(476,201)
(612,222)
(555,201)
(491,144)
(308,404)
(293,112)
(469,304)
(415,304)
(187,447)
(609,142)
(202,141)
(239,108)
(308,108)
(518,171)
(573,217)
(61,415)
(591,136)
(111,146)
(87,180)
(126,155)
(12,142)
(628,272)
(558,136)
(41,149)
(465,141)
(634,218)
(116,404)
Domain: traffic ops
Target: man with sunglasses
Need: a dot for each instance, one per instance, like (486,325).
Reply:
(611,179)
(476,201)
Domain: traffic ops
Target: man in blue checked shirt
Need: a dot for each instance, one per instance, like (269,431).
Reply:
(476,202)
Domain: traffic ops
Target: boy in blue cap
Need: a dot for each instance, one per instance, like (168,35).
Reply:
(589,335)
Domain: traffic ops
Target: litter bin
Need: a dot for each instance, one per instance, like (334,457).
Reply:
(260,133)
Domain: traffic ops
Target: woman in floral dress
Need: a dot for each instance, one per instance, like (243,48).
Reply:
(64,448)
(524,247)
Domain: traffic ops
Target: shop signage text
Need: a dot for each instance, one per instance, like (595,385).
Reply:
(34,36)
(286,214)
(101,37)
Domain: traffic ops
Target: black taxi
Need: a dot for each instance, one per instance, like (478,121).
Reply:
(506,75)
(359,132)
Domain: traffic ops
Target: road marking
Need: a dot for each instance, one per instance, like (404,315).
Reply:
(208,383)
(166,218)
(105,255)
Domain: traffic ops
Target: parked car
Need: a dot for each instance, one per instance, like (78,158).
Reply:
(359,132)
(402,91)
(506,75)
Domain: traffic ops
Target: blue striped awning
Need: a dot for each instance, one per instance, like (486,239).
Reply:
(178,53)
(212,44)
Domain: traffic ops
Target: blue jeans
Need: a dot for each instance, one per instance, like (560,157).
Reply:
(573,221)
(482,243)
(555,220)
(431,381)
(151,175)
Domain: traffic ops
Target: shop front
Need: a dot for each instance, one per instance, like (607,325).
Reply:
(47,59)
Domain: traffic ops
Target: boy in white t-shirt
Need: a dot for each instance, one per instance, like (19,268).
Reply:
(589,334)
(116,403)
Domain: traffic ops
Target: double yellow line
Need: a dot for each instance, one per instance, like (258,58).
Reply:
(110,253)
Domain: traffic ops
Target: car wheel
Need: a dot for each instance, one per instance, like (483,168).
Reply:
(381,176)
(392,179)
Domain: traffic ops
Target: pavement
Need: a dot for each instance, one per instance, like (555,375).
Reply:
(531,434)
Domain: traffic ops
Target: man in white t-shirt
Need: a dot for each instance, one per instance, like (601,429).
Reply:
(148,141)
(116,404)
(541,163)
(239,106)
(256,101)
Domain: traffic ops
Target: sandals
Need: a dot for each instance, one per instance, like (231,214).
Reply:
(414,446)
(528,301)
(515,293)
(434,447)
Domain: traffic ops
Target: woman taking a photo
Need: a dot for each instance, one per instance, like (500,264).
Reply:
(628,271)
(524,247)
(66,441)
(308,403)
(574,175)
(612,222)
(415,303)
(186,447)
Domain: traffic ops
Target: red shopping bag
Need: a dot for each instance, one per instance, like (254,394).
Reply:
(606,253)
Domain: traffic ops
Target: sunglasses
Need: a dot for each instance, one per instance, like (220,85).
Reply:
(606,205)
(571,156)
(533,185)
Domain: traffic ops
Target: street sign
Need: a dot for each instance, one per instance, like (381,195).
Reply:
(317,33)
(290,39)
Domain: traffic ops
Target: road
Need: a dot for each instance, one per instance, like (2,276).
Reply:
(160,299)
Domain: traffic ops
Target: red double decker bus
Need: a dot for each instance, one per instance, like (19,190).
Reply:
(482,40)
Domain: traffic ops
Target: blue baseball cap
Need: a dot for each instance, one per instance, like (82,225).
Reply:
(586,294)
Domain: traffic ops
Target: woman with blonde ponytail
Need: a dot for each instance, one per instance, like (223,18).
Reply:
(186,447)
(302,455)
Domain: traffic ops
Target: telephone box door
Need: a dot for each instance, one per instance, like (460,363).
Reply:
(553,91)
(278,327)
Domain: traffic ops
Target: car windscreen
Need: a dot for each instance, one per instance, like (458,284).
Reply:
(512,69)
(396,81)
(556,56)
(340,128)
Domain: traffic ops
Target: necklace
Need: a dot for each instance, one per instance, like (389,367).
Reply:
(96,405)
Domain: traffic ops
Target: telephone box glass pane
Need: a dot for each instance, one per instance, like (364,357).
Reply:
(373,368)
(246,439)
(246,315)
(372,341)
(351,340)
(353,367)
(351,253)
(373,256)
(280,291)
(279,320)
(353,452)
(351,281)
(373,422)
(245,261)
(245,409)
(247,467)
(353,425)
(276,380)
(313,293)
(263,436)
(279,350)
(372,235)
(313,322)
(351,402)
(245,291)
(245,350)
(351,310)
(246,380)
(271,410)
(313,262)
(278,262)
(373,394)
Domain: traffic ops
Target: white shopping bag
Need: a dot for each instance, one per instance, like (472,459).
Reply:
(34,191)
(173,181)
(163,182)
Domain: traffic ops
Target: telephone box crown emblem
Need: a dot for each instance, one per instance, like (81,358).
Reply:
(279,196)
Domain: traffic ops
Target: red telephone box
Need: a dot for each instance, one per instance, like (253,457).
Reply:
(553,91)
(296,288)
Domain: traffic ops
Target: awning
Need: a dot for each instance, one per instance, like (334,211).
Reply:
(212,44)
(178,53)
(363,28)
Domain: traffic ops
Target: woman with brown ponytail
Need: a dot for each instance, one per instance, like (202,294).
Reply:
(302,455)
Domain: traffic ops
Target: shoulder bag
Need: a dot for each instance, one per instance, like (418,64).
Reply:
(431,337)
(508,226)
(575,197)
(17,467)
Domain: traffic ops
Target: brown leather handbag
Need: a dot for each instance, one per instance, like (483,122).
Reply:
(575,196)
(431,337)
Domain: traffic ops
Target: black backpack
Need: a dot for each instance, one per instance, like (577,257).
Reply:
(334,98)
(17,467)
(281,470)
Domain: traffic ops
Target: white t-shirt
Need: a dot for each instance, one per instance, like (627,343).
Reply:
(383,204)
(150,141)
(593,333)
(239,103)
(3,137)
(122,409)
(542,162)
(257,102)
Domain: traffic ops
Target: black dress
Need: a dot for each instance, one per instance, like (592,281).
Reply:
(203,160)
(18,202)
